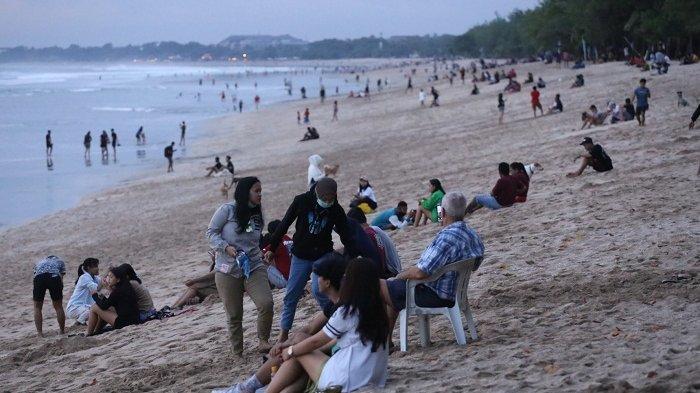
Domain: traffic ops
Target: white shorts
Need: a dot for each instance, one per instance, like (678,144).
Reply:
(79,313)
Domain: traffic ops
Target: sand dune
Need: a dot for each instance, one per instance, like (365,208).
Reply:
(590,286)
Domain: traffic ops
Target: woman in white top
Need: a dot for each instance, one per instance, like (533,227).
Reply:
(88,282)
(364,198)
(360,328)
(315,172)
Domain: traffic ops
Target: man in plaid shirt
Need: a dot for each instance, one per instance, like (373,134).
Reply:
(455,242)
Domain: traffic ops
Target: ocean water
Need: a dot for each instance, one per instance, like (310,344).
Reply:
(70,99)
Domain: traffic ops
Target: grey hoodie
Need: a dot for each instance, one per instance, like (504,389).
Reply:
(222,233)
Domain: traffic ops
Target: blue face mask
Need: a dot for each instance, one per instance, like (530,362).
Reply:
(323,203)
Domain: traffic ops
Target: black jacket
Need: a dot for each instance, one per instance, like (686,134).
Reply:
(314,224)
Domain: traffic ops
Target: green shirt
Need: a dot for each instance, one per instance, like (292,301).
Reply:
(432,203)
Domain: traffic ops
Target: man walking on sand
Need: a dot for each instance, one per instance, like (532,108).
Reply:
(168,153)
(335,111)
(642,95)
(535,100)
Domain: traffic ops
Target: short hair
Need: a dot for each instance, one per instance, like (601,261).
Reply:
(331,267)
(272,225)
(454,204)
(402,204)
(357,214)
(643,80)
(503,168)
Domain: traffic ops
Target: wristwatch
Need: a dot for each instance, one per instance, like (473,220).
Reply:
(290,350)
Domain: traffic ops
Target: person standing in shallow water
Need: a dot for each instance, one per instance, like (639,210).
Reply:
(183,128)
(234,232)
(114,144)
(49,144)
(87,141)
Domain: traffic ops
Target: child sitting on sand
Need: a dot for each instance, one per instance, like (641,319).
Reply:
(427,207)
(87,282)
(278,270)
(558,107)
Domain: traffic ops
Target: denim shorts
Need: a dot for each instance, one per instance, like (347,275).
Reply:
(488,201)
(424,296)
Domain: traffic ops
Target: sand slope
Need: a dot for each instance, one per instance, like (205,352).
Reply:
(590,286)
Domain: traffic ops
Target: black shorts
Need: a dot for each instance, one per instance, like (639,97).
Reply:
(641,109)
(600,166)
(49,281)
(424,296)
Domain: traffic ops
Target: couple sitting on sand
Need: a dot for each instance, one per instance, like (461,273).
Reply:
(345,347)
(512,187)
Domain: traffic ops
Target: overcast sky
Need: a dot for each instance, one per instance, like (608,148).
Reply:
(95,22)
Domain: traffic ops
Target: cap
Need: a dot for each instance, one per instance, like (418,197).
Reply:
(587,140)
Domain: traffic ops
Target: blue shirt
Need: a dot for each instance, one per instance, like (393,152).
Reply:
(52,265)
(642,94)
(456,242)
(382,219)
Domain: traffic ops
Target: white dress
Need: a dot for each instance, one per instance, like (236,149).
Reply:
(354,365)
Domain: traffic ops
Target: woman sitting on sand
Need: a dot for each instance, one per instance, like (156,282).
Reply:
(143,296)
(360,328)
(87,282)
(557,107)
(198,288)
(427,207)
(120,309)
(234,232)
(364,199)
(513,86)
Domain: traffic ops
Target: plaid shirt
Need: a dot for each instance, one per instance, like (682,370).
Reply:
(454,243)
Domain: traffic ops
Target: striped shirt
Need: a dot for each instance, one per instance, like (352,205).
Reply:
(456,242)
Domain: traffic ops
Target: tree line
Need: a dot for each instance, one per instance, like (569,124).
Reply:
(606,27)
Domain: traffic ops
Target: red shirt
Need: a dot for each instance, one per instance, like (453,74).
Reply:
(282,258)
(535,96)
(524,180)
(505,190)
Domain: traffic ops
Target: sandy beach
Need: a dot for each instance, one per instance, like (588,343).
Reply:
(591,285)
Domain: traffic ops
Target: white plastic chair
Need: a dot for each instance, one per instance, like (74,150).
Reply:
(464,269)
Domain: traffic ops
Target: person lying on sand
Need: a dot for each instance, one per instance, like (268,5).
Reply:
(120,309)
(427,207)
(330,271)
(595,157)
(198,288)
(503,193)
(216,168)
(48,276)
(395,218)
(456,241)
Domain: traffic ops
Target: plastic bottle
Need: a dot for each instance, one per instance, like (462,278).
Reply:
(243,262)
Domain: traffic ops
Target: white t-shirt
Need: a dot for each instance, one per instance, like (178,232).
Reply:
(81,294)
(354,365)
(369,193)
(531,169)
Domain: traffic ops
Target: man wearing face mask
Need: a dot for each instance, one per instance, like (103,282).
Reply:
(316,213)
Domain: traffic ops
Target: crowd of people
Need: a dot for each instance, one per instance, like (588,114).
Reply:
(359,288)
